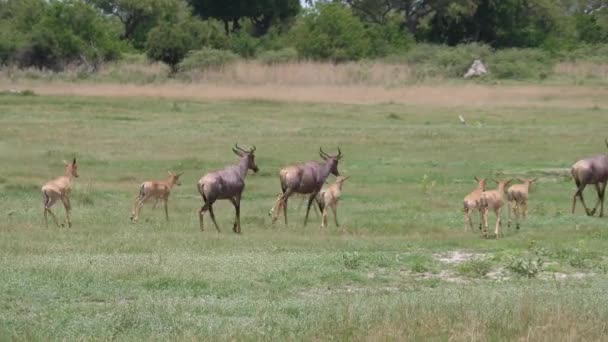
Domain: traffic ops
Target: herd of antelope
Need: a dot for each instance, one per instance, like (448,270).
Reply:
(309,178)
(226,184)
(588,171)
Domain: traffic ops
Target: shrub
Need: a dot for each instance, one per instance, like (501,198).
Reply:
(330,31)
(476,268)
(389,38)
(528,267)
(520,64)
(206,58)
(169,44)
(351,261)
(440,60)
(278,56)
(244,45)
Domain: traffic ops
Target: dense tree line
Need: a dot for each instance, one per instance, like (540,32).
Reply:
(55,33)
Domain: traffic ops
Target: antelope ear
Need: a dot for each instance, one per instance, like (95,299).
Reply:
(495,181)
(171,173)
(475,177)
(179,174)
(74,161)
(65,162)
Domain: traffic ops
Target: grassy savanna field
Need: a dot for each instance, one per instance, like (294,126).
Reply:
(400,267)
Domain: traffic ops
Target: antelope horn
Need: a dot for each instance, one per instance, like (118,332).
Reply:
(323,153)
(239,148)
(252,149)
(606,141)
(339,153)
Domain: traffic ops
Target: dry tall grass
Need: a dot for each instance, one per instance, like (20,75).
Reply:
(356,82)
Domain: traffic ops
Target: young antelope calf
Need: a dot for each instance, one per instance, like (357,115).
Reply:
(471,202)
(59,188)
(159,190)
(517,195)
(494,200)
(329,197)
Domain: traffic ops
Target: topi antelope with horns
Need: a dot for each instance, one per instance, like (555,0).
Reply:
(589,171)
(306,178)
(227,183)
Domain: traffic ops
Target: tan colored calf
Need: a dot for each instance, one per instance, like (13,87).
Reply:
(494,200)
(471,202)
(59,189)
(159,190)
(517,196)
(329,197)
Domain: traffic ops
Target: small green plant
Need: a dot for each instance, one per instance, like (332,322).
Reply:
(528,267)
(474,268)
(427,184)
(351,260)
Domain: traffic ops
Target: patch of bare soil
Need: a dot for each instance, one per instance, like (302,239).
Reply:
(457,257)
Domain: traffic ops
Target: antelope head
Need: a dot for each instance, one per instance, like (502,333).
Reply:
(174,178)
(248,155)
(332,161)
(71,169)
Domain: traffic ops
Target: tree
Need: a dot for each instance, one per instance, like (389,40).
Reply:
(331,31)
(138,17)
(170,43)
(262,13)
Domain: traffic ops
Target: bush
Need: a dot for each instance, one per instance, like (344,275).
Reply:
(520,64)
(244,45)
(169,44)
(528,267)
(278,56)
(206,58)
(476,268)
(440,60)
(330,31)
(389,38)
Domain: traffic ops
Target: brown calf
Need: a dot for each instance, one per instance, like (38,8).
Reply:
(159,190)
(59,189)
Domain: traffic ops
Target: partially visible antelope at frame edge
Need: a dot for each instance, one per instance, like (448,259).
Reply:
(517,196)
(589,171)
(306,178)
(330,197)
(472,202)
(59,189)
(227,183)
(159,190)
(494,200)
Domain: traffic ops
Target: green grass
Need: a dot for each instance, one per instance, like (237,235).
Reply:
(379,277)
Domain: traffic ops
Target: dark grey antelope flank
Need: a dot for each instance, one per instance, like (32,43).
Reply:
(307,178)
(589,171)
(227,183)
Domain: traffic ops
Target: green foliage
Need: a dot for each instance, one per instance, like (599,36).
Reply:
(262,12)
(389,38)
(528,267)
(138,17)
(520,64)
(474,268)
(437,60)
(331,32)
(278,56)
(170,44)
(60,32)
(244,45)
(206,58)
(351,260)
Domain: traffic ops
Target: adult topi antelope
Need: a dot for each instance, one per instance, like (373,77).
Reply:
(472,202)
(517,195)
(307,178)
(588,171)
(227,183)
(59,189)
(159,190)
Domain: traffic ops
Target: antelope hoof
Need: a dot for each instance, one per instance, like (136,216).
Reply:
(591,212)
(517,226)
